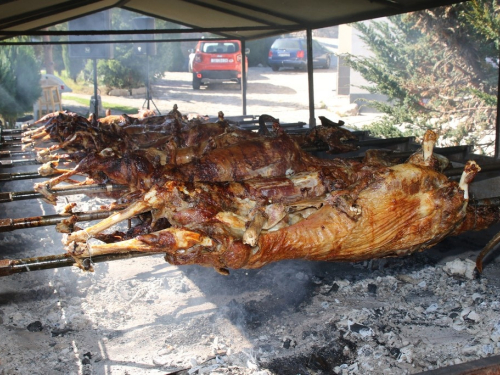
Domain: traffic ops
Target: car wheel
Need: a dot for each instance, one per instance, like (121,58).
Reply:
(275,68)
(327,64)
(196,83)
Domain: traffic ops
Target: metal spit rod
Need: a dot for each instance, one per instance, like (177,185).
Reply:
(364,143)
(12,266)
(20,162)
(17,163)
(62,191)
(21,176)
(13,154)
(11,145)
(11,131)
(7,225)
(11,138)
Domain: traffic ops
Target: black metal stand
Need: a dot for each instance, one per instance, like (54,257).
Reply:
(96,98)
(149,98)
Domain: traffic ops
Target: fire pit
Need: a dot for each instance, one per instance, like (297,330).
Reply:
(143,316)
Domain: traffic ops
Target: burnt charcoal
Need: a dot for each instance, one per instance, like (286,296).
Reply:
(419,296)
(286,343)
(372,289)
(317,280)
(35,326)
(266,348)
(334,289)
(378,312)
(85,361)
(395,352)
(60,332)
(245,315)
(357,328)
(289,343)
(318,361)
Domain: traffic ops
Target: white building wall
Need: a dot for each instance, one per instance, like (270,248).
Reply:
(349,80)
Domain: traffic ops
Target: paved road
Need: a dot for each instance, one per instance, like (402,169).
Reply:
(282,94)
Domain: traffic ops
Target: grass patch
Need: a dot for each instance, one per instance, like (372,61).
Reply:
(82,87)
(113,107)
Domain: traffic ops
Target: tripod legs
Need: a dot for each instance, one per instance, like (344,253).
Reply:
(148,93)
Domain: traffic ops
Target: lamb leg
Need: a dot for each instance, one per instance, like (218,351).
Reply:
(174,241)
(83,235)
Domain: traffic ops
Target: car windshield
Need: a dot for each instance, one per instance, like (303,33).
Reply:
(286,44)
(222,47)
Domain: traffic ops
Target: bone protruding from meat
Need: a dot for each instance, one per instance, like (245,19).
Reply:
(470,170)
(425,156)
(252,233)
(50,168)
(430,138)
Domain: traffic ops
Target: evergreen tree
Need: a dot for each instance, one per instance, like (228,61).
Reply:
(439,70)
(19,81)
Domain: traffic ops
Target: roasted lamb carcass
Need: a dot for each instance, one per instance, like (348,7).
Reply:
(110,120)
(330,135)
(347,212)
(74,133)
(230,156)
(260,157)
(53,130)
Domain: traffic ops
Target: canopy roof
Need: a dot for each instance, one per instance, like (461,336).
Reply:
(248,19)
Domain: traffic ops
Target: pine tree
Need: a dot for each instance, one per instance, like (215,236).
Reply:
(439,70)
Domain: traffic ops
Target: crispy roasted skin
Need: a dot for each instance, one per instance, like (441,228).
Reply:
(373,213)
(264,157)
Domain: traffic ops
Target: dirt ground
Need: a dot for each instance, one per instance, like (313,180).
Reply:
(144,316)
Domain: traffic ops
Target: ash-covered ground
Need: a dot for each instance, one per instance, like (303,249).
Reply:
(143,316)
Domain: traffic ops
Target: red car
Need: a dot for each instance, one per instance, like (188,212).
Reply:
(217,61)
